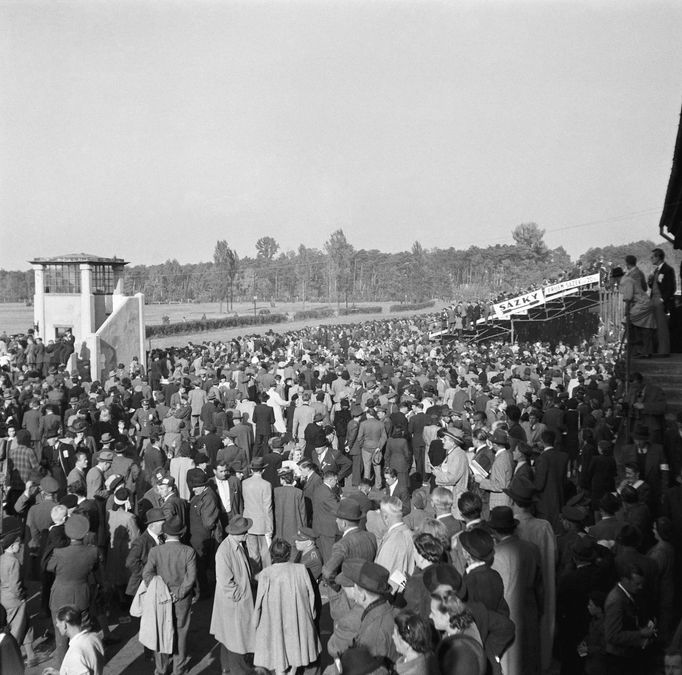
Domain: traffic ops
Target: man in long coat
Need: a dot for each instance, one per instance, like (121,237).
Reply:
(290,513)
(231,622)
(257,495)
(518,563)
(539,532)
(550,473)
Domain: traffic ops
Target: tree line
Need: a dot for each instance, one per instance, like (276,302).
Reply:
(343,274)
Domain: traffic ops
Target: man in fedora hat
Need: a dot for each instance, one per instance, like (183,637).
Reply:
(355,541)
(371,592)
(140,547)
(175,563)
(518,563)
(231,621)
(325,458)
(539,532)
(171,503)
(243,434)
(94,479)
(257,495)
(483,583)
(126,467)
(205,528)
(453,471)
(654,468)
(501,471)
(372,439)
(352,446)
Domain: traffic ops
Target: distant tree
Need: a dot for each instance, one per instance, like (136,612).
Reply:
(267,248)
(340,253)
(530,237)
(227,262)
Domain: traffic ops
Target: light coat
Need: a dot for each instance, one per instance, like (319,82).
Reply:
(231,622)
(283,618)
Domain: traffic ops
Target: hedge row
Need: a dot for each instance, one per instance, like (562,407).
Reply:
(200,325)
(412,307)
(345,311)
(314,314)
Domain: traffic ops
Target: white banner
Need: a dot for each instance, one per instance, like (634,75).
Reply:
(519,304)
(560,289)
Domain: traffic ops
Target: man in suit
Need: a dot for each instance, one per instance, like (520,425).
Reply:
(397,547)
(263,418)
(175,563)
(441,500)
(415,427)
(483,583)
(393,488)
(172,504)
(352,445)
(310,481)
(228,488)
(140,547)
(647,406)
(663,287)
(652,463)
(355,541)
(324,506)
(550,473)
(242,434)
(326,458)
(371,437)
(273,461)
(257,495)
(626,634)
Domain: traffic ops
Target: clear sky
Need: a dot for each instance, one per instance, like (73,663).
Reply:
(151,129)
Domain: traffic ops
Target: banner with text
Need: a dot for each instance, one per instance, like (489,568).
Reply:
(569,286)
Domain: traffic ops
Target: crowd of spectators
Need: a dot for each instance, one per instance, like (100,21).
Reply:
(490,508)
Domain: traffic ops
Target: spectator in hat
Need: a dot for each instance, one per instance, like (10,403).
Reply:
(550,474)
(663,554)
(123,530)
(325,458)
(31,421)
(370,591)
(257,495)
(289,507)
(483,584)
(205,528)
(13,597)
(519,564)
(126,467)
(355,541)
(264,420)
(231,621)
(307,552)
(359,661)
(452,472)
(140,547)
(653,465)
(523,455)
(72,567)
(94,479)
(59,457)
(284,620)
(144,419)
(398,455)
(243,434)
(539,532)
(573,591)
(324,504)
(417,514)
(600,475)
(175,563)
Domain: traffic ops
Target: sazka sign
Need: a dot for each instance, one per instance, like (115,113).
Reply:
(519,304)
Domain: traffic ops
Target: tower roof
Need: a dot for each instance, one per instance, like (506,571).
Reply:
(78,258)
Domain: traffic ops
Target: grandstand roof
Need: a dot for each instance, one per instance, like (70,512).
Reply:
(78,258)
